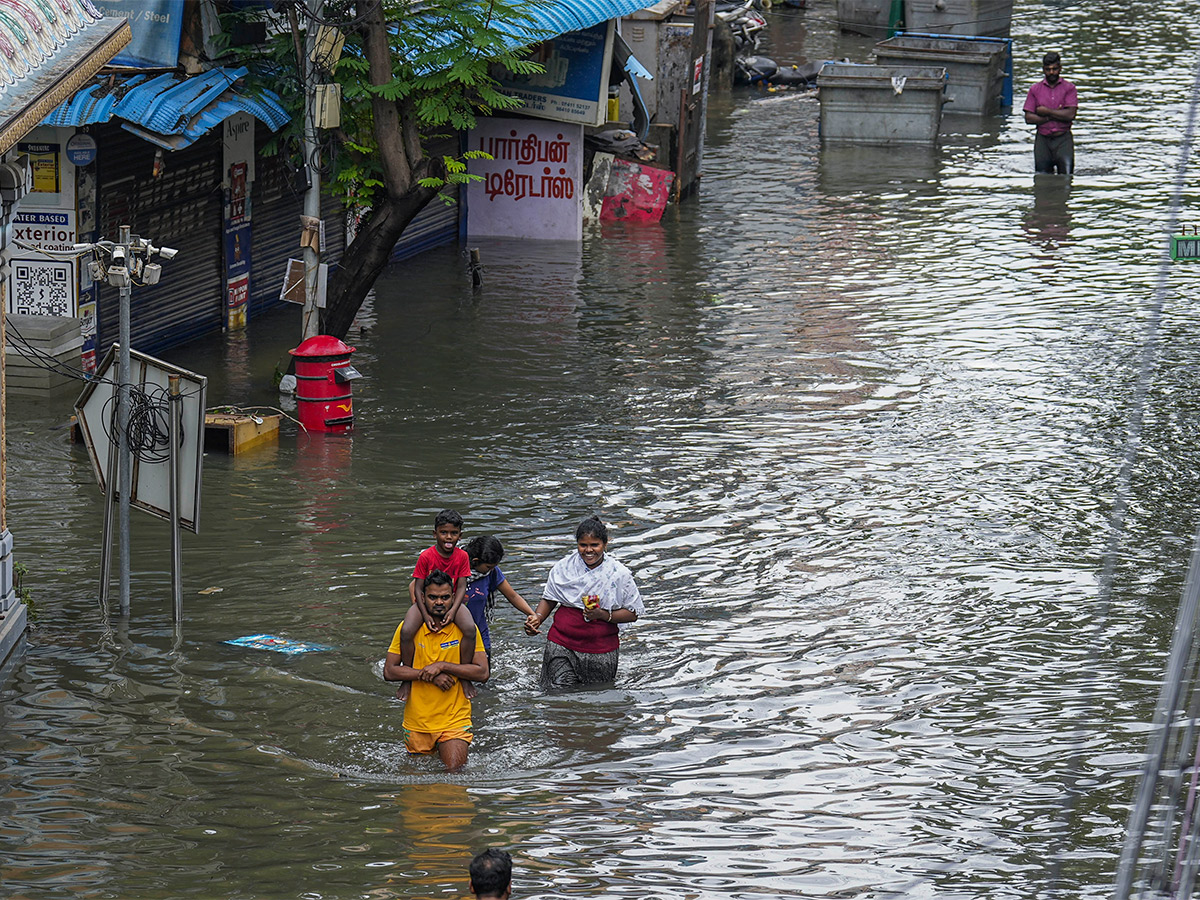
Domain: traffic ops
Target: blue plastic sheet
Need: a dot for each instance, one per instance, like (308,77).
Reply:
(276,644)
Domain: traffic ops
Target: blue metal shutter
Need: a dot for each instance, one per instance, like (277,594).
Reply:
(275,226)
(275,229)
(437,223)
(181,209)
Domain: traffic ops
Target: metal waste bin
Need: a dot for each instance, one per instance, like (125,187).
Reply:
(874,18)
(974,68)
(984,18)
(881,104)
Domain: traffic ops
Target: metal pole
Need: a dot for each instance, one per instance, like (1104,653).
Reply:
(1164,718)
(476,268)
(124,459)
(312,161)
(681,148)
(173,480)
(3,420)
(704,21)
(110,493)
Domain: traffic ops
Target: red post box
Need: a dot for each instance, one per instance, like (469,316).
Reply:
(324,379)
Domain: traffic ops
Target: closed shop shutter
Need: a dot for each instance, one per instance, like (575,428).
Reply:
(437,223)
(181,209)
(275,226)
(275,229)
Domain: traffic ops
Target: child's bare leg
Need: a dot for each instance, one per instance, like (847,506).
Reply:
(466,648)
(408,636)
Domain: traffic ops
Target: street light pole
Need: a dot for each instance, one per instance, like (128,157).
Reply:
(124,462)
(119,264)
(173,425)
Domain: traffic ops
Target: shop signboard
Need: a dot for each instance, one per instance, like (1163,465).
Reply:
(81,149)
(530,187)
(39,285)
(156,26)
(237,249)
(1185,247)
(44,166)
(574,86)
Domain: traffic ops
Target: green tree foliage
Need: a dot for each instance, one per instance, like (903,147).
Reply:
(409,71)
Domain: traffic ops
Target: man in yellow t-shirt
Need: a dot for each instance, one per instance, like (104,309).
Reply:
(437,714)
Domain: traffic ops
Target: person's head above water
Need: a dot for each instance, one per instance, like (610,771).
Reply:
(448,517)
(484,550)
(439,591)
(491,874)
(447,529)
(1052,67)
(591,537)
(592,527)
(438,594)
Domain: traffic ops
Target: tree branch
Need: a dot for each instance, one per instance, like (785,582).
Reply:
(411,133)
(394,156)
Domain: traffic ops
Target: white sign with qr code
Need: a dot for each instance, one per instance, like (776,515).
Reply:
(42,287)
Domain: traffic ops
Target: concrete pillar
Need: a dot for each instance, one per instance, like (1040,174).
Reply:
(14,184)
(13,621)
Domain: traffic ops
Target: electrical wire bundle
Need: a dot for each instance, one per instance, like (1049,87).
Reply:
(148,433)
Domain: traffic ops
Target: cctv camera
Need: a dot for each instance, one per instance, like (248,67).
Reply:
(167,252)
(118,256)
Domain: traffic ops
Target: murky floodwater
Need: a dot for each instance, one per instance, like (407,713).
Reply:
(857,418)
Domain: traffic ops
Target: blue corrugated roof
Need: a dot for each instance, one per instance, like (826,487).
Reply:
(551,18)
(546,19)
(175,110)
(179,109)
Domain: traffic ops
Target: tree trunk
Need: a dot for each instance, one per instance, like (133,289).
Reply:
(402,197)
(367,256)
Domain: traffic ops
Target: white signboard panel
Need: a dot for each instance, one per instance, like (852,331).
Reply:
(531,186)
(237,144)
(96,409)
(43,287)
(38,285)
(574,84)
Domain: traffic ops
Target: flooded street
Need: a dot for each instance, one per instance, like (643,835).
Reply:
(856,419)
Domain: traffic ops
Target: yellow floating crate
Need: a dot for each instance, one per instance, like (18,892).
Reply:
(235,433)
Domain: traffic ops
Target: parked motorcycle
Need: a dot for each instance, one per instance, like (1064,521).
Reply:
(761,70)
(745,22)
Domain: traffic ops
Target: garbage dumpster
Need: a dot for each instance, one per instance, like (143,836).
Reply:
(985,18)
(874,18)
(324,378)
(880,104)
(974,68)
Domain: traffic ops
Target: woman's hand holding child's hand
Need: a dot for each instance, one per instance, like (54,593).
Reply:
(532,623)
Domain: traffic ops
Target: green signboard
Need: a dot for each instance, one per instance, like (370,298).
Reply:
(1185,247)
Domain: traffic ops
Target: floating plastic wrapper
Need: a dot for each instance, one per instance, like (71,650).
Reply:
(276,644)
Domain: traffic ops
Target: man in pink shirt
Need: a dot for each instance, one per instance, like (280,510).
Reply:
(1051,106)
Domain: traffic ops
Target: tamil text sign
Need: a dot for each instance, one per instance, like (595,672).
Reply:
(530,188)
